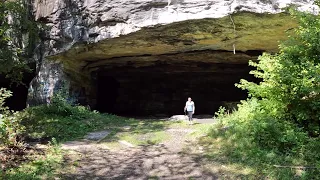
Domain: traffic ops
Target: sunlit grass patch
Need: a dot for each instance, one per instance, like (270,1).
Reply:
(179,124)
(113,145)
(229,171)
(200,129)
(139,132)
(70,123)
(145,138)
(232,153)
(149,126)
(218,160)
(40,166)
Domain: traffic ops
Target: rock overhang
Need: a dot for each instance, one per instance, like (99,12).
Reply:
(215,39)
(126,44)
(200,49)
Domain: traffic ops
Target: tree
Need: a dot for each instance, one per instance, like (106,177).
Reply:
(290,86)
(18,38)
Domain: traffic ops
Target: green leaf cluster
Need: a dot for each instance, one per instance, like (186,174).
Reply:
(19,35)
(11,128)
(279,124)
(290,86)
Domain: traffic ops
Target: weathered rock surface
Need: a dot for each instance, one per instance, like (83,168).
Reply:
(95,20)
(150,54)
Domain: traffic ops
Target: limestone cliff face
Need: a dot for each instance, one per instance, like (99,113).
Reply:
(74,21)
(88,40)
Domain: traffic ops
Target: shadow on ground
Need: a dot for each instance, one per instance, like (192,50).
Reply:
(168,159)
(144,162)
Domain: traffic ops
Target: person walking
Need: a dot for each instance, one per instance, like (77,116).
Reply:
(190,108)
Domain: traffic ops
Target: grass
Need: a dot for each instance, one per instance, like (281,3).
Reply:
(249,163)
(142,132)
(60,122)
(234,153)
(42,166)
(226,152)
(144,139)
(63,122)
(200,130)
(43,122)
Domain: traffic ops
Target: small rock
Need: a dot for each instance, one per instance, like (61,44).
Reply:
(147,164)
(126,143)
(127,127)
(97,135)
(178,118)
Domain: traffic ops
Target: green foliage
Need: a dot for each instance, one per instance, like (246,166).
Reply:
(4,94)
(64,121)
(11,129)
(263,129)
(18,38)
(280,122)
(42,167)
(290,79)
(59,121)
(253,137)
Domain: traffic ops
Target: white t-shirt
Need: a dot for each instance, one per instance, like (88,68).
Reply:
(190,105)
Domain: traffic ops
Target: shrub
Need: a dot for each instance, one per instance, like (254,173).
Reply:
(4,94)
(290,79)
(254,137)
(11,128)
(258,125)
(64,121)
(280,122)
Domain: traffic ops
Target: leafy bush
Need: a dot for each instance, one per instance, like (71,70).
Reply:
(11,129)
(280,122)
(254,137)
(263,129)
(4,94)
(290,79)
(41,166)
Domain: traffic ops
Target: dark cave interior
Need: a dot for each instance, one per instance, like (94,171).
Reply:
(19,91)
(162,89)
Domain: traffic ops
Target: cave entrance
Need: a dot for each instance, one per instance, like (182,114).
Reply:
(19,91)
(107,93)
(162,89)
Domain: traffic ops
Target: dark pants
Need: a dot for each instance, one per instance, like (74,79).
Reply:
(190,115)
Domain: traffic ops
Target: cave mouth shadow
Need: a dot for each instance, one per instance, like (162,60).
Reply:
(18,100)
(151,93)
(107,93)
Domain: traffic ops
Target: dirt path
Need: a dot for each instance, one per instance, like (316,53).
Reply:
(175,158)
